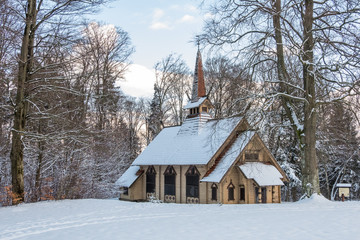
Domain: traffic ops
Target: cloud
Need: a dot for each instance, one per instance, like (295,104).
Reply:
(187,18)
(139,81)
(191,8)
(159,26)
(158,13)
(157,23)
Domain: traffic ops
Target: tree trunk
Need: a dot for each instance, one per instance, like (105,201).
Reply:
(17,148)
(309,164)
(283,75)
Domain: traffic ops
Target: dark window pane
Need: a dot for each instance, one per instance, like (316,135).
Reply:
(242,193)
(252,156)
(213,193)
(170,184)
(150,183)
(192,186)
(231,193)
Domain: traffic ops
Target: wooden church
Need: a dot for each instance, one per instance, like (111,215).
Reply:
(204,160)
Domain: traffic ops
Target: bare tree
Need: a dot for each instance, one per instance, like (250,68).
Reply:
(277,36)
(172,83)
(229,85)
(37,15)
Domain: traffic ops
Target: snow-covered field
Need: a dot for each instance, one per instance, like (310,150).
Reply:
(315,218)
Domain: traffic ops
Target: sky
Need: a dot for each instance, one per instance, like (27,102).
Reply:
(157,28)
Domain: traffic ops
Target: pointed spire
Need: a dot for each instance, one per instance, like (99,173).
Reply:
(198,90)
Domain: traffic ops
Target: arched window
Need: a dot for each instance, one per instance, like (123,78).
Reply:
(214,192)
(231,188)
(170,176)
(150,180)
(192,182)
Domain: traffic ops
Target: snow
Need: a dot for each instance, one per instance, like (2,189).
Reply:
(128,177)
(180,145)
(229,158)
(343,185)
(195,104)
(263,174)
(113,219)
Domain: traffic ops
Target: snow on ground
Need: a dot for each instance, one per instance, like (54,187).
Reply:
(314,218)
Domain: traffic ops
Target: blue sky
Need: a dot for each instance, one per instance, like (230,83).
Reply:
(157,28)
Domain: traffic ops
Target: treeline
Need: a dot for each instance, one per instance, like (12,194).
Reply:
(68,131)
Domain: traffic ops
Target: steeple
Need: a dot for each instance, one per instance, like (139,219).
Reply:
(199,105)
(198,89)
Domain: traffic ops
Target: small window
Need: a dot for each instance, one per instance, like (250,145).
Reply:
(204,109)
(242,193)
(231,188)
(252,156)
(125,191)
(214,192)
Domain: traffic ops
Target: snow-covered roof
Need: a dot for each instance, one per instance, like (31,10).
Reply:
(263,174)
(195,104)
(343,185)
(175,146)
(128,177)
(229,158)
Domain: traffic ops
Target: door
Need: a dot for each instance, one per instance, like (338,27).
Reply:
(263,195)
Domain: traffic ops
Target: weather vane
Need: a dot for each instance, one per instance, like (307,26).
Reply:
(198,41)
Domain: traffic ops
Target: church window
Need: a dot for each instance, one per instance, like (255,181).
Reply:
(125,191)
(251,156)
(242,193)
(192,182)
(231,188)
(150,180)
(170,176)
(214,192)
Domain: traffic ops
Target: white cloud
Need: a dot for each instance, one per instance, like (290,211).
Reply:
(187,18)
(157,23)
(159,26)
(191,8)
(139,81)
(158,13)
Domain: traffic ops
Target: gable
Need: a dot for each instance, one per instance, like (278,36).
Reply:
(268,158)
(230,157)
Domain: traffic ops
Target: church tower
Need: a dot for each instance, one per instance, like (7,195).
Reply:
(199,105)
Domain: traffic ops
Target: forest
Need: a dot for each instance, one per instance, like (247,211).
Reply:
(67,130)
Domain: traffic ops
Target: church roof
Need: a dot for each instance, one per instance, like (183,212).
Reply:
(128,177)
(230,157)
(263,174)
(189,144)
(195,104)
(198,89)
